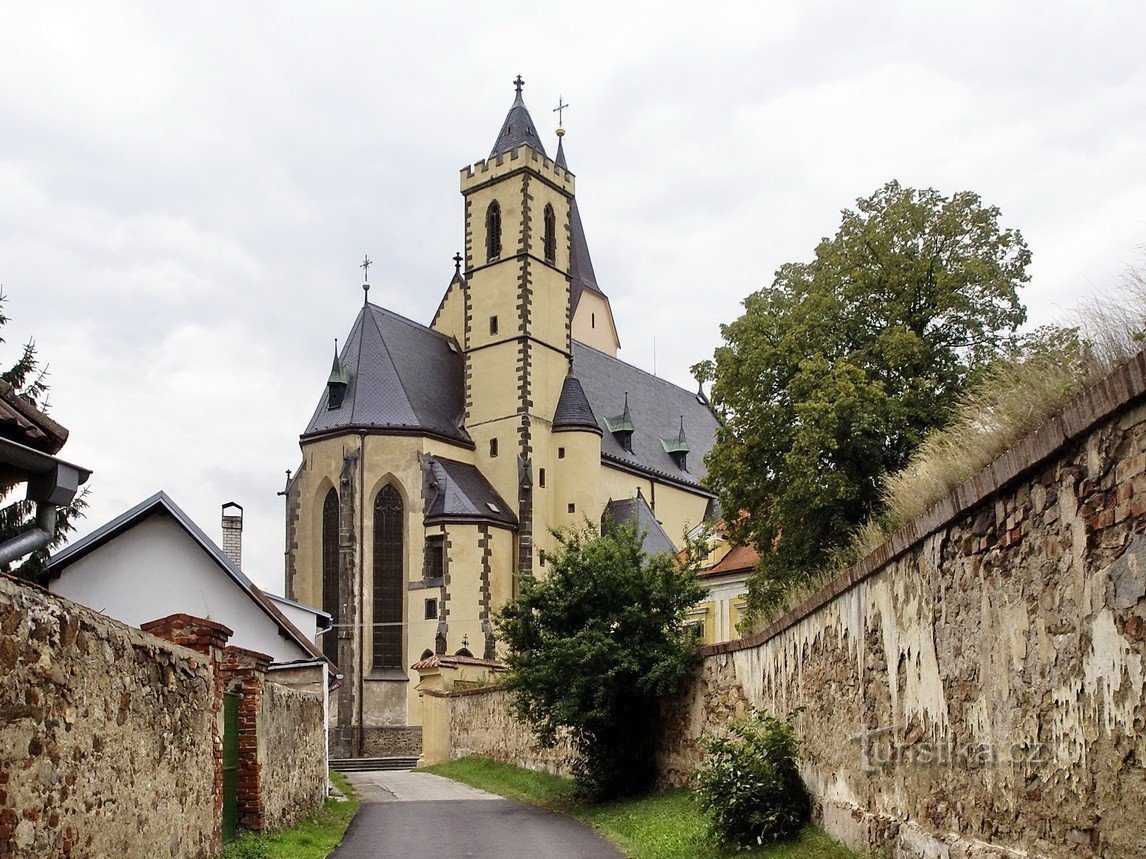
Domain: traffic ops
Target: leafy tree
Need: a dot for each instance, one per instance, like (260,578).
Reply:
(29,378)
(835,373)
(595,644)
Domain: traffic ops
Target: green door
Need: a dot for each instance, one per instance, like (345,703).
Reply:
(230,764)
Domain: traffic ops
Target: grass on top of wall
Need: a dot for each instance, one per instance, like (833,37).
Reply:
(668,824)
(313,838)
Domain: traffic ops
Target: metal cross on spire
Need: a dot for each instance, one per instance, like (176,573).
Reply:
(560,110)
(518,83)
(366,263)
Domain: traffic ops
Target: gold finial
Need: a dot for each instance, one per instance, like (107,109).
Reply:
(560,111)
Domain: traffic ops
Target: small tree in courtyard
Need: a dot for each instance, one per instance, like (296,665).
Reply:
(595,644)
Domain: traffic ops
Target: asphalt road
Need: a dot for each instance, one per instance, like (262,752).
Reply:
(417,816)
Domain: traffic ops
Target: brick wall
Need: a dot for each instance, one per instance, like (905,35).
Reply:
(105,736)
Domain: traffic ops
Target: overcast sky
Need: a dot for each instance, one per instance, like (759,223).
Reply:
(186,190)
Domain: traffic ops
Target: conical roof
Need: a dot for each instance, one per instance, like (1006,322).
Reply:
(573,410)
(518,129)
(581,272)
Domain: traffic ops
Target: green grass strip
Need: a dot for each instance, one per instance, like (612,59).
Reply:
(666,825)
(313,838)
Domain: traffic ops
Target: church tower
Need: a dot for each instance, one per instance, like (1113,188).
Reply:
(517,311)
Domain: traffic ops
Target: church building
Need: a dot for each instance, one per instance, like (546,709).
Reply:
(440,456)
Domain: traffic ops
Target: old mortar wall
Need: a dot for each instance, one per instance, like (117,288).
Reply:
(981,681)
(292,752)
(105,735)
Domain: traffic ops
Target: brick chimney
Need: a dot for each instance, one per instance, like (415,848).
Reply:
(233,532)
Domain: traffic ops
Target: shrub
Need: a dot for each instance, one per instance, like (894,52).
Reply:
(749,785)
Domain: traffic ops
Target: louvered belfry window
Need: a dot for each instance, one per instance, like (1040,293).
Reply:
(330,573)
(493,232)
(389,578)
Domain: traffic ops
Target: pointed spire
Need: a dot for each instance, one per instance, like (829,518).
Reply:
(337,382)
(622,427)
(458,259)
(518,128)
(677,447)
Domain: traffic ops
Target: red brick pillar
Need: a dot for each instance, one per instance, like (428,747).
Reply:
(245,672)
(209,638)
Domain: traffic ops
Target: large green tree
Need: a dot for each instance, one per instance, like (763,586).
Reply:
(835,373)
(29,378)
(595,644)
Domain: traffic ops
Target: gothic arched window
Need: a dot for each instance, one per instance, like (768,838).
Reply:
(330,573)
(389,578)
(550,234)
(493,232)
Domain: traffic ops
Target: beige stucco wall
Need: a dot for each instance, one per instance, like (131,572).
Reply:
(593,324)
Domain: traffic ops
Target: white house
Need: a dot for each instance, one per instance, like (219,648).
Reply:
(153,561)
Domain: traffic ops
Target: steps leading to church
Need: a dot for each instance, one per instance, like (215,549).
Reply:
(363,765)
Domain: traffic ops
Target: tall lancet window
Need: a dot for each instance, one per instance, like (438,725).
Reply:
(330,573)
(493,232)
(389,578)
(550,234)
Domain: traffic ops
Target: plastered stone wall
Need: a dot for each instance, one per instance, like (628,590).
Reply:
(292,753)
(105,736)
(985,687)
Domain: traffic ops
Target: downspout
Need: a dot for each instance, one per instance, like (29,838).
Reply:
(34,539)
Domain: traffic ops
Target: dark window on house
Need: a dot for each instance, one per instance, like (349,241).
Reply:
(427,653)
(560,453)
(550,234)
(432,609)
(493,325)
(592,320)
(435,556)
(493,447)
(541,477)
(388,578)
(572,508)
(330,573)
(493,232)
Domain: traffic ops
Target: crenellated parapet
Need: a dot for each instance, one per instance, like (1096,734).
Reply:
(506,163)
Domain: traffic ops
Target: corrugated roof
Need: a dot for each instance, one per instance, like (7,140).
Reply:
(517,130)
(161,503)
(656,407)
(573,410)
(462,494)
(637,510)
(403,376)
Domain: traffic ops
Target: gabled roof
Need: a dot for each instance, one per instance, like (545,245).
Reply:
(404,377)
(460,493)
(23,423)
(573,411)
(161,504)
(581,272)
(655,406)
(637,510)
(517,130)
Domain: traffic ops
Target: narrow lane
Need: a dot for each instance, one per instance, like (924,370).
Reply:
(420,816)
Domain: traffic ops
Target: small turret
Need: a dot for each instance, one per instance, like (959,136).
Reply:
(677,447)
(622,427)
(337,383)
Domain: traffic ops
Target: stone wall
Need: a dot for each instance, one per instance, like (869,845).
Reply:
(292,752)
(975,687)
(105,736)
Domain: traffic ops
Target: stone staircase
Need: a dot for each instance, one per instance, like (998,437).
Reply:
(363,765)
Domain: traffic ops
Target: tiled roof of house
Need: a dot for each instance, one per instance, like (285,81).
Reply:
(637,510)
(655,406)
(403,377)
(738,559)
(23,423)
(460,493)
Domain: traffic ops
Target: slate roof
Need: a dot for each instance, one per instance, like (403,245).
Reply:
(637,510)
(161,503)
(460,493)
(656,407)
(581,272)
(517,130)
(403,376)
(573,410)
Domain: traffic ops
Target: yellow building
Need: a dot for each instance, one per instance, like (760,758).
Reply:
(440,456)
(724,574)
